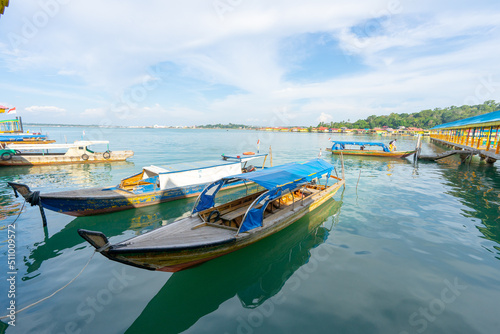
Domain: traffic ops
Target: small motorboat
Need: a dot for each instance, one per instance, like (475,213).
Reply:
(376,149)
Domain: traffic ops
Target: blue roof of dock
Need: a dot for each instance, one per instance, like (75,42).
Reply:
(489,119)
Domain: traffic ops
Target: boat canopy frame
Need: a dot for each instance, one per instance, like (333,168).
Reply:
(277,180)
(339,145)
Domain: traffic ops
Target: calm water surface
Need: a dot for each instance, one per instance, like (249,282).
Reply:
(404,249)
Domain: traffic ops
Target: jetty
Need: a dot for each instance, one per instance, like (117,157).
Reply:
(478,135)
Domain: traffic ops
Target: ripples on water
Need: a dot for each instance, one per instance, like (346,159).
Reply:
(365,262)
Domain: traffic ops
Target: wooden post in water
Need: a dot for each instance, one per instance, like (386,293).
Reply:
(417,148)
(271,156)
(342,160)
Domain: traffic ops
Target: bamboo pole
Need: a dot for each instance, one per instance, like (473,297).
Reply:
(342,159)
(271,156)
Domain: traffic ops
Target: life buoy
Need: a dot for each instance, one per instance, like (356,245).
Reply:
(248,153)
(85,157)
(106,155)
(6,156)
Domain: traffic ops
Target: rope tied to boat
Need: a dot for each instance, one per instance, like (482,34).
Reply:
(54,293)
(34,198)
(19,214)
(103,248)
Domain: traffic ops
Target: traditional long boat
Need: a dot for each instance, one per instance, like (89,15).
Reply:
(382,150)
(213,230)
(45,154)
(153,185)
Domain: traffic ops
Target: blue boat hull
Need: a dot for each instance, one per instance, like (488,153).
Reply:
(94,201)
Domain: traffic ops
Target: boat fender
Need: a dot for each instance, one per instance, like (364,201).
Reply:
(6,156)
(106,155)
(248,153)
(85,156)
(217,216)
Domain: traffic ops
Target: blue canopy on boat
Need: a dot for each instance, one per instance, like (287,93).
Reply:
(340,144)
(275,179)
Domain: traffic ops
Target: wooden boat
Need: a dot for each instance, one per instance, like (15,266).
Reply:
(153,185)
(45,154)
(291,191)
(339,147)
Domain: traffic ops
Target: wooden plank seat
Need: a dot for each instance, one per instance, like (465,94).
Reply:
(235,213)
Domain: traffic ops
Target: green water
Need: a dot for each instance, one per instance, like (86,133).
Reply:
(406,249)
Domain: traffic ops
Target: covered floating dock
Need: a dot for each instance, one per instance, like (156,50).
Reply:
(478,134)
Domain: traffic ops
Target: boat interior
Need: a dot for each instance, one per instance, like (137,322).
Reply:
(131,183)
(218,224)
(230,215)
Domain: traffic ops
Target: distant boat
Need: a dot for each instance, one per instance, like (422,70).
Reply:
(44,154)
(11,131)
(340,147)
(291,191)
(153,185)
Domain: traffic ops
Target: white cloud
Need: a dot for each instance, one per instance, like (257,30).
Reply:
(325,117)
(46,110)
(95,112)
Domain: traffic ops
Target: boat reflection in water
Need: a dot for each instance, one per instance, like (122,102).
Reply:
(137,220)
(255,274)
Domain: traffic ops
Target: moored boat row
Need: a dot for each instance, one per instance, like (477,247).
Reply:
(279,196)
(291,191)
(153,185)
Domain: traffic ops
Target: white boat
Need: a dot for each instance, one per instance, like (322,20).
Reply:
(53,154)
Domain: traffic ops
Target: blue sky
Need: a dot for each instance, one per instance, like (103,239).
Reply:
(254,62)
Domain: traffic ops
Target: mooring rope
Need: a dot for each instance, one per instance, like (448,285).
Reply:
(45,298)
(19,214)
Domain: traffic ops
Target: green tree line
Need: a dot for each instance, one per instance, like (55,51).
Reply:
(424,119)
(222,126)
